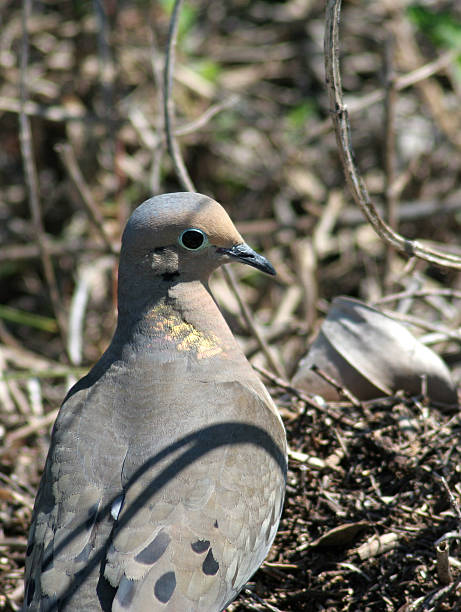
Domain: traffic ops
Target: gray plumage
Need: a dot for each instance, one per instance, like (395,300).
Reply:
(165,477)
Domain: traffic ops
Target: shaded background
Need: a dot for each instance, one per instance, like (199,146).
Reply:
(254,128)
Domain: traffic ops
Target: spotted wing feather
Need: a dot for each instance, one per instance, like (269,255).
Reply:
(195,543)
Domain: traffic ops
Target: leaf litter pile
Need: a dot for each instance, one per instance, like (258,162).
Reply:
(372,518)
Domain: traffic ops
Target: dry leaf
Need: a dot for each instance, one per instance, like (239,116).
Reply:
(371,355)
(341,535)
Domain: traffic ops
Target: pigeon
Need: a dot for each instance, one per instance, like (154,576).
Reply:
(165,478)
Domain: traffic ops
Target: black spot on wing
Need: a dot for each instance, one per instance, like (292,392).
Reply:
(210,566)
(165,586)
(154,550)
(200,546)
(84,555)
(125,592)
(92,526)
(92,513)
(30,591)
(48,557)
(169,276)
(106,593)
(234,577)
(29,550)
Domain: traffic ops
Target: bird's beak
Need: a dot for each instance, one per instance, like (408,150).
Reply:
(245,254)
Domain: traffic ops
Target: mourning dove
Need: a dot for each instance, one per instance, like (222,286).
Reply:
(165,478)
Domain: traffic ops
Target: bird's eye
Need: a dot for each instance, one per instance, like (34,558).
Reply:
(193,239)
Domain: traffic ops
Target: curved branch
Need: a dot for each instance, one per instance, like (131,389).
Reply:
(341,123)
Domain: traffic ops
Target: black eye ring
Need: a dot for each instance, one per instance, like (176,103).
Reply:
(193,239)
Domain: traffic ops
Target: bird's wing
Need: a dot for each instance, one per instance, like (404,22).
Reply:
(198,518)
(71,520)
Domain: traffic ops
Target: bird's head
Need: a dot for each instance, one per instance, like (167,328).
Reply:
(185,236)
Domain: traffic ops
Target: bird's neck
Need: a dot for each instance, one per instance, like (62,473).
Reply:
(180,316)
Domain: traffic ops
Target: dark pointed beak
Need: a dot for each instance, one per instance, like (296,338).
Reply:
(245,254)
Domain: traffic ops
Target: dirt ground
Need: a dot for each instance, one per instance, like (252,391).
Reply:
(372,512)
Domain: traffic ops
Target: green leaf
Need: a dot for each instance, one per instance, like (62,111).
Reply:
(27,318)
(208,69)
(301,114)
(441,27)
(297,118)
(187,18)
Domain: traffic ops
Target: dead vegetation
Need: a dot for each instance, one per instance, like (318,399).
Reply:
(372,516)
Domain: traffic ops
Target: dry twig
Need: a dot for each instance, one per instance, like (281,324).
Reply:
(356,184)
(168,101)
(69,161)
(32,178)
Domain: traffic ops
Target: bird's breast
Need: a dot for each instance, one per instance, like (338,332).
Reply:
(166,329)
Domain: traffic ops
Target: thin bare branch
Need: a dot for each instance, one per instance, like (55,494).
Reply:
(27,430)
(390,150)
(454,503)
(106,72)
(248,317)
(168,102)
(401,295)
(158,150)
(30,170)
(312,402)
(401,82)
(356,184)
(426,71)
(56,114)
(69,161)
(206,116)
